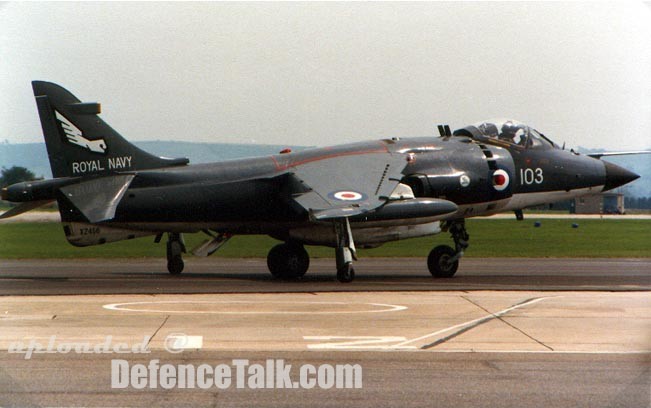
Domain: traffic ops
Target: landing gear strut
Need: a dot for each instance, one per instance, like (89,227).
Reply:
(345,251)
(175,250)
(443,261)
(288,261)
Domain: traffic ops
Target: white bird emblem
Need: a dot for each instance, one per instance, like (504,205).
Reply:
(75,136)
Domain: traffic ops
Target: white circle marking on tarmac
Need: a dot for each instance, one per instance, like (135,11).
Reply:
(124,307)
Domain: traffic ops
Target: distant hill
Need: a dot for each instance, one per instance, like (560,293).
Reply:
(34,157)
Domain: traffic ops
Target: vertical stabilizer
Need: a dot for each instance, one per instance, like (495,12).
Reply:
(79,143)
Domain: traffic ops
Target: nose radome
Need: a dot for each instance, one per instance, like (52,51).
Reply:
(617,176)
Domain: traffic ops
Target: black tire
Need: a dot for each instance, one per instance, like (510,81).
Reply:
(288,261)
(438,262)
(346,273)
(175,265)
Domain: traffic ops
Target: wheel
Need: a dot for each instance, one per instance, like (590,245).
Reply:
(288,261)
(346,273)
(175,265)
(438,262)
(174,257)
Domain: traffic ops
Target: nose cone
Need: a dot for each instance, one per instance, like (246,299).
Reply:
(617,176)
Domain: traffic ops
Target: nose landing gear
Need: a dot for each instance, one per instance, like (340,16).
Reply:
(443,261)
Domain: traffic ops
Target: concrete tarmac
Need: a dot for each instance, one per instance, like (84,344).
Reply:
(503,333)
(455,380)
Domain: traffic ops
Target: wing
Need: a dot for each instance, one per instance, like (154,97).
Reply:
(349,185)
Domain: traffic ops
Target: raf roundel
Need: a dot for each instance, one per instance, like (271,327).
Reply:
(464,180)
(500,180)
(347,195)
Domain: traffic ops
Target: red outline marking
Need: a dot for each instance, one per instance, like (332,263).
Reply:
(280,167)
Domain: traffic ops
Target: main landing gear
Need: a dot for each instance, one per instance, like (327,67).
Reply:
(443,261)
(175,250)
(291,261)
(288,261)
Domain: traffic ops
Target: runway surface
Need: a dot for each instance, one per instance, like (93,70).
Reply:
(503,333)
(219,275)
(390,380)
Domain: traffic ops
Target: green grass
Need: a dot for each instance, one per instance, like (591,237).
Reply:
(488,238)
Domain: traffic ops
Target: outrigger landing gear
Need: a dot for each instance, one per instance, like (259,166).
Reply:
(345,251)
(443,261)
(175,250)
(288,261)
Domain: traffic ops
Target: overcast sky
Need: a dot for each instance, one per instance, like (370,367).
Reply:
(327,73)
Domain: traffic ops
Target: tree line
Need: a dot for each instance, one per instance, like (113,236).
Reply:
(641,203)
(15,174)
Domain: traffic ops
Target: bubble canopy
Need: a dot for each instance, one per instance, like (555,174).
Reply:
(509,131)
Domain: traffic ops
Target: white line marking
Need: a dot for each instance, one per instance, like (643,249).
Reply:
(468,323)
(379,342)
(384,307)
(184,342)
(474,351)
(356,342)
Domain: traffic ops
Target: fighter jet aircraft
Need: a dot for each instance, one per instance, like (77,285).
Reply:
(347,196)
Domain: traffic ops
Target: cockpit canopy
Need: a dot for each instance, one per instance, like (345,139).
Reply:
(506,131)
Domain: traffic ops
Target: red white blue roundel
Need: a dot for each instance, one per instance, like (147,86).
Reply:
(500,180)
(347,195)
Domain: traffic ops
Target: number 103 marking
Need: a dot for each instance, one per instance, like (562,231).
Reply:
(531,176)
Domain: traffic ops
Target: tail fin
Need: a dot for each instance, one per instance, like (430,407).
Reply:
(80,143)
